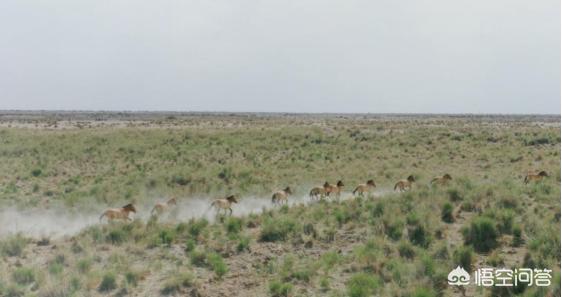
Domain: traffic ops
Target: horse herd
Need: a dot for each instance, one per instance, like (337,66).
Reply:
(282,197)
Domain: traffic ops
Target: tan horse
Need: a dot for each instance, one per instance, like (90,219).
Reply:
(224,204)
(281,197)
(119,213)
(535,176)
(336,189)
(366,187)
(161,207)
(317,193)
(441,180)
(405,183)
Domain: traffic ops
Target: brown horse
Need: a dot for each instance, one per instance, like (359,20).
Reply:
(535,176)
(336,189)
(366,187)
(317,193)
(441,180)
(282,196)
(405,183)
(119,213)
(224,204)
(161,207)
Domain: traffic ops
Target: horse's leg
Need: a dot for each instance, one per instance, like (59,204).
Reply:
(230,211)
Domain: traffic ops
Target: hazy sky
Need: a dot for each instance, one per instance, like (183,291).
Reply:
(439,56)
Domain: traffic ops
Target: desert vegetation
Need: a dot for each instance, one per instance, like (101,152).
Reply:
(382,243)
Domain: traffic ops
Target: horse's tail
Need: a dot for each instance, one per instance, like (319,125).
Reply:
(526,181)
(152,211)
(102,215)
(273,198)
(312,193)
(433,180)
(396,185)
(356,189)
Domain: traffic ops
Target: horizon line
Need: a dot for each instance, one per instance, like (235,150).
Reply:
(131,111)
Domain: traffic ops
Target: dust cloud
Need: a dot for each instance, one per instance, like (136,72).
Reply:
(53,223)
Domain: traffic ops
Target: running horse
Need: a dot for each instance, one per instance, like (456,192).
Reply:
(162,207)
(282,196)
(119,213)
(224,204)
(366,187)
(405,183)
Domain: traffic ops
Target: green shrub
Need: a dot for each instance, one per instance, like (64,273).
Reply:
(13,245)
(419,236)
(303,275)
(197,258)
(462,256)
(378,210)
(330,259)
(108,283)
(243,244)
(424,292)
(517,236)
(481,234)
(393,229)
(23,276)
(190,245)
(362,285)
(406,250)
(167,237)
(428,265)
(454,195)
(132,278)
(277,230)
(342,216)
(12,291)
(412,219)
(173,285)
(217,264)
(368,254)
(505,224)
(84,265)
(116,236)
(280,289)
(55,268)
(233,225)
(196,227)
(36,172)
(447,213)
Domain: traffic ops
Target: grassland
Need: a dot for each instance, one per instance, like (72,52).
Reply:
(388,244)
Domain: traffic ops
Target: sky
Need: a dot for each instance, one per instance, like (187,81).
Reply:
(360,56)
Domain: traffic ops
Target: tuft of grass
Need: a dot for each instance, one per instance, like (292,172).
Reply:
(108,283)
(481,234)
(243,244)
(406,250)
(13,246)
(280,289)
(217,264)
(175,284)
(277,229)
(454,195)
(419,236)
(424,292)
(233,225)
(463,256)
(362,285)
(447,213)
(116,236)
(23,276)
